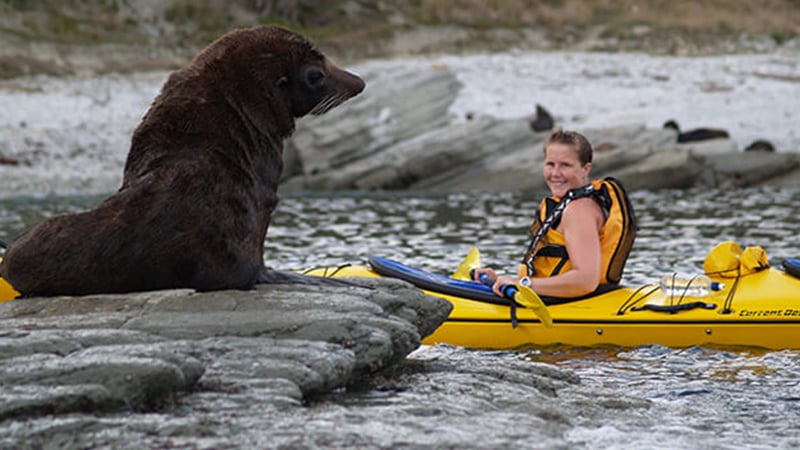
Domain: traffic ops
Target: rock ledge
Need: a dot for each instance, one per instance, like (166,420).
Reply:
(277,344)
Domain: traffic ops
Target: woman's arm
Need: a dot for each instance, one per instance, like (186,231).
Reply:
(580,224)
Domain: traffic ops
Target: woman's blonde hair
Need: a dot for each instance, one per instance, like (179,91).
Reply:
(576,140)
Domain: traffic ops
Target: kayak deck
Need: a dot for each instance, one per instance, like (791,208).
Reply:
(761,310)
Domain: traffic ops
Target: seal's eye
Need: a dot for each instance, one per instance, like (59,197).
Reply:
(315,77)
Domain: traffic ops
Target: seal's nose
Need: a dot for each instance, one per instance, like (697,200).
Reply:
(358,84)
(350,82)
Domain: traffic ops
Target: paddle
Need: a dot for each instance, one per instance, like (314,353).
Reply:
(470,263)
(520,294)
(525,297)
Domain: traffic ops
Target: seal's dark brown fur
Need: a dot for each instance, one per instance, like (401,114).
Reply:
(697,134)
(201,179)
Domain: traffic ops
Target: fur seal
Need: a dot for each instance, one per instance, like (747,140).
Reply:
(201,177)
(760,145)
(8,161)
(542,121)
(697,134)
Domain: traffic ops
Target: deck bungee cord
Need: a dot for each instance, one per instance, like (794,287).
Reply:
(632,300)
(327,272)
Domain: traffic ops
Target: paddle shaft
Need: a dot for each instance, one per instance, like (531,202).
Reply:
(508,290)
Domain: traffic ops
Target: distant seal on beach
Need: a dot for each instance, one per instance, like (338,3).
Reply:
(542,121)
(200,181)
(697,134)
(760,145)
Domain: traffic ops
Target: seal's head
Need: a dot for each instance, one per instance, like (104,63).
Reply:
(273,69)
(243,92)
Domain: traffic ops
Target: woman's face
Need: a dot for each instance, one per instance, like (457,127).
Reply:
(562,169)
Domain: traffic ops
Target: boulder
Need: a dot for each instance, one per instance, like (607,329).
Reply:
(662,170)
(400,135)
(398,106)
(743,169)
(140,352)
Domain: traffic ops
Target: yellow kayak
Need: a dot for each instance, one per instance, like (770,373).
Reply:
(761,309)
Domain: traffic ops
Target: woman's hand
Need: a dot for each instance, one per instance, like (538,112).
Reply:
(499,282)
(488,271)
(503,281)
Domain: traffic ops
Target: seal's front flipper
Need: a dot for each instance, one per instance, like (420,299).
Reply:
(271,276)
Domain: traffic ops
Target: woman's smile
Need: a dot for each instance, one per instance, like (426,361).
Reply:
(563,170)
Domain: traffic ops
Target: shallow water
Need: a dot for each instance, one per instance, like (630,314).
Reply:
(446,397)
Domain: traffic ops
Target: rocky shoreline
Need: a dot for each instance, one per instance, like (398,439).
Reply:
(171,351)
(412,130)
(401,135)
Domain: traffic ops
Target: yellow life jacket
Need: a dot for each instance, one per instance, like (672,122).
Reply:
(547,254)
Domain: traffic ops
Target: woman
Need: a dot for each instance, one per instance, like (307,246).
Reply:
(582,234)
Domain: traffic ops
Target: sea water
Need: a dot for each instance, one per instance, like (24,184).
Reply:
(448,397)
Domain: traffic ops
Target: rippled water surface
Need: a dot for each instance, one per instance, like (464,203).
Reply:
(677,228)
(445,397)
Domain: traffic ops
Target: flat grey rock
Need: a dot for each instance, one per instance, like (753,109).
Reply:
(276,344)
